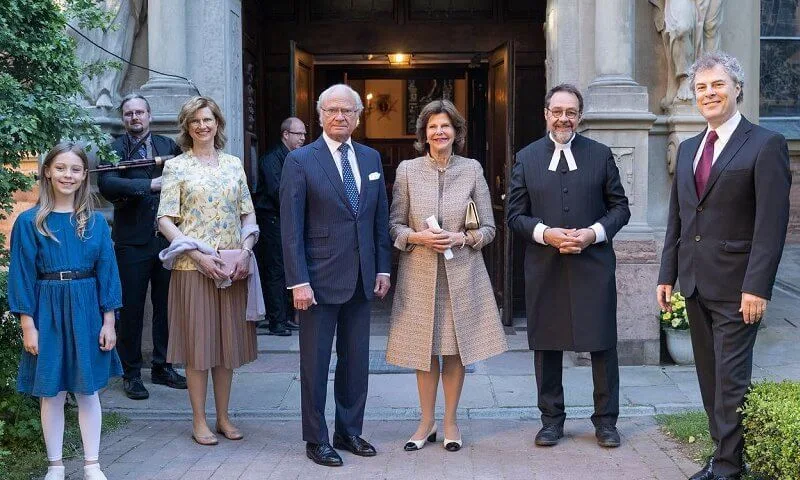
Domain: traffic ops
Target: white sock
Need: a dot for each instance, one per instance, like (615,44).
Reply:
(55,472)
(52,414)
(90,418)
(93,472)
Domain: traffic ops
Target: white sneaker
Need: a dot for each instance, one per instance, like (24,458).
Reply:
(55,473)
(93,472)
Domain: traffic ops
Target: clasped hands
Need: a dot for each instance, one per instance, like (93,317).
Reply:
(438,240)
(212,266)
(569,240)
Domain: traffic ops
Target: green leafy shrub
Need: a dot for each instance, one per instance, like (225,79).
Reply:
(772,430)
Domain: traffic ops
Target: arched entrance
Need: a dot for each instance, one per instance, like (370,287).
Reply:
(489,55)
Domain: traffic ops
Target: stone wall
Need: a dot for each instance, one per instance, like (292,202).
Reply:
(793,235)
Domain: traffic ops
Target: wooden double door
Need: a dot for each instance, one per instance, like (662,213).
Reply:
(490,89)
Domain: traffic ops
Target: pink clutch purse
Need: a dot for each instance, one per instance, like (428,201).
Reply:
(229,257)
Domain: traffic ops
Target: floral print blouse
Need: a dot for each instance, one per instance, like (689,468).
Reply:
(205,202)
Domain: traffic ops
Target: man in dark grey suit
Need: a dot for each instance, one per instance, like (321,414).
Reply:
(728,215)
(566,200)
(337,256)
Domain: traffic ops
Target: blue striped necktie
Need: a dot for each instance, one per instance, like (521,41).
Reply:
(348,178)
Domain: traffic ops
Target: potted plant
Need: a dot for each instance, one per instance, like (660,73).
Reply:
(676,328)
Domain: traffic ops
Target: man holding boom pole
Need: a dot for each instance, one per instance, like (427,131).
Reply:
(135,194)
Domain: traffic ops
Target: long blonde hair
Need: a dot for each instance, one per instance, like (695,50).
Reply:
(83,203)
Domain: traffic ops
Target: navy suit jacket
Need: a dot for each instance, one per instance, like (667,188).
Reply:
(729,240)
(324,242)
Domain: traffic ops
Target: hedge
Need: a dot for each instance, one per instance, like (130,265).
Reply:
(772,430)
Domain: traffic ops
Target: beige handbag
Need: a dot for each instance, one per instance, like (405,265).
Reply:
(471,220)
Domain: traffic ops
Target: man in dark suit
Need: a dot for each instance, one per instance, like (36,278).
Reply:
(266,199)
(566,200)
(135,193)
(728,216)
(336,251)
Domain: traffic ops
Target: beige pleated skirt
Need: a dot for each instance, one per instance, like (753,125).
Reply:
(444,328)
(207,326)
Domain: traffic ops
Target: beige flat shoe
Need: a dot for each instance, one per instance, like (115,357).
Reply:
(207,440)
(234,434)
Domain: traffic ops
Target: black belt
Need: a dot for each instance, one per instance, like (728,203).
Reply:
(68,275)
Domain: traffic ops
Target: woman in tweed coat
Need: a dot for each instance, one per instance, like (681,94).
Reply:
(441,307)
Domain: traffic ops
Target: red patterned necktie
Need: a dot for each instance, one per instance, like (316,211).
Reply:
(703,170)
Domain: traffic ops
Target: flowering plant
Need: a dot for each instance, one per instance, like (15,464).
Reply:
(677,319)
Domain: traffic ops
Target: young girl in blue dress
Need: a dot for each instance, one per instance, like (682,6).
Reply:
(64,286)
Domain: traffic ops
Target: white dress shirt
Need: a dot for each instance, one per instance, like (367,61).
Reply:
(538,230)
(333,146)
(724,133)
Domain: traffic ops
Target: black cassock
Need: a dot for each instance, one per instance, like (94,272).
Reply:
(571,300)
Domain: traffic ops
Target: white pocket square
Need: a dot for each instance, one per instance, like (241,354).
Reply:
(374,176)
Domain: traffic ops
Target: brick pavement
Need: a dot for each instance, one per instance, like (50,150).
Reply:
(493,449)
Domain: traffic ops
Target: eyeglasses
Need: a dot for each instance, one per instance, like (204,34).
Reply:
(202,121)
(335,112)
(135,113)
(302,134)
(571,114)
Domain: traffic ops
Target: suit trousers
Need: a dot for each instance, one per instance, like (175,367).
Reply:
(269,255)
(350,322)
(139,266)
(605,375)
(723,356)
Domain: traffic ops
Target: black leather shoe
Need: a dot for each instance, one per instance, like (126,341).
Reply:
(727,477)
(277,330)
(707,473)
(549,435)
(169,377)
(134,389)
(607,436)
(353,444)
(323,454)
(290,325)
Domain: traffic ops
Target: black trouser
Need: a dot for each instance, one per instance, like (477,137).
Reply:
(350,322)
(605,375)
(139,266)
(269,255)
(723,357)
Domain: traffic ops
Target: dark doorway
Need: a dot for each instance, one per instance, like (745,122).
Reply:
(492,49)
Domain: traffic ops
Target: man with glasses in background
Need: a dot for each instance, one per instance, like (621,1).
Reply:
(266,199)
(567,202)
(336,250)
(135,193)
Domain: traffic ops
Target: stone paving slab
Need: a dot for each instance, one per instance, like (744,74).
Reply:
(493,449)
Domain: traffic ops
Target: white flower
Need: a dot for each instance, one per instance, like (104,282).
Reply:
(676,322)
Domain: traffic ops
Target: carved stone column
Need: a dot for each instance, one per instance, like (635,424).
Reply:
(214,50)
(166,39)
(687,29)
(617,115)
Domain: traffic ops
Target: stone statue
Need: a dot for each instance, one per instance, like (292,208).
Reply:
(688,28)
(129,15)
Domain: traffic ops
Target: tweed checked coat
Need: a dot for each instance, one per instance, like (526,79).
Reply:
(479,333)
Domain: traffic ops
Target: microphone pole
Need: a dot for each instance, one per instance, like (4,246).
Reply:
(138,163)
